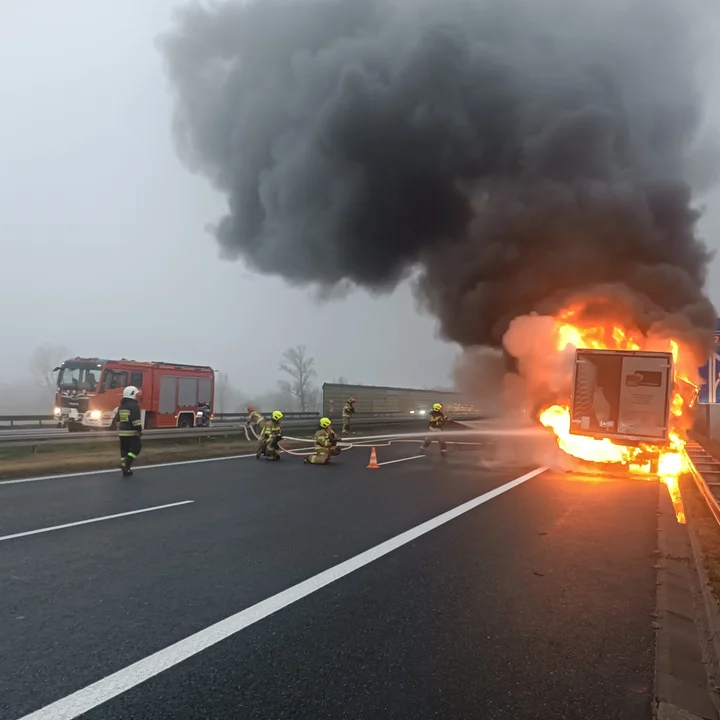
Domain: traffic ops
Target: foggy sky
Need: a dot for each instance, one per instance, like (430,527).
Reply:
(101,228)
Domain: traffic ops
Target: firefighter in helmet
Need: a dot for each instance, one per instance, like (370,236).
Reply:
(325,441)
(129,429)
(436,422)
(255,420)
(270,437)
(348,410)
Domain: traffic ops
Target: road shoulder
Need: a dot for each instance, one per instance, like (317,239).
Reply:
(681,680)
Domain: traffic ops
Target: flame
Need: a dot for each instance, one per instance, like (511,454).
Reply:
(671,460)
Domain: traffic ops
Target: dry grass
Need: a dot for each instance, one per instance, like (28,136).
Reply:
(58,459)
(23,462)
(705,528)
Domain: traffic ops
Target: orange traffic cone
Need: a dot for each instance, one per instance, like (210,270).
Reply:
(373,464)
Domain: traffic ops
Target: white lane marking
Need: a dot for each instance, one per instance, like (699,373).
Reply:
(390,462)
(93,520)
(107,471)
(123,680)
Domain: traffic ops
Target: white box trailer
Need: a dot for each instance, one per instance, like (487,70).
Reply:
(623,395)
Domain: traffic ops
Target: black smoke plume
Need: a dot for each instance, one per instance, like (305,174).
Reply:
(515,153)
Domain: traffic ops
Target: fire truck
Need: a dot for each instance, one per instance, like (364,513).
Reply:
(89,391)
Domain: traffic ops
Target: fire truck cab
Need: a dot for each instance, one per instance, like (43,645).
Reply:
(89,391)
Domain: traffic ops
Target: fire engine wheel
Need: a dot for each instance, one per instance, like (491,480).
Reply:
(185,421)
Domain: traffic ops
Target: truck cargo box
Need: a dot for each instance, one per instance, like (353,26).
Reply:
(624,395)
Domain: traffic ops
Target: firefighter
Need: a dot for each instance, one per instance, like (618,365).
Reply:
(436,422)
(255,420)
(270,437)
(324,446)
(129,426)
(348,410)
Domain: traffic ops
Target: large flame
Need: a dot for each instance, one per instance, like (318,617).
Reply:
(671,461)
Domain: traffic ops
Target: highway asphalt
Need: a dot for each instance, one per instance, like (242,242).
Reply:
(536,603)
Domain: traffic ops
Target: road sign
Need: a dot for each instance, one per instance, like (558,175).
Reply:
(710,373)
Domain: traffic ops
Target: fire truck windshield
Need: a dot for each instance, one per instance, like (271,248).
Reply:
(78,378)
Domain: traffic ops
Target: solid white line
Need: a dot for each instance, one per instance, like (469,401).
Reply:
(390,462)
(19,481)
(123,680)
(92,520)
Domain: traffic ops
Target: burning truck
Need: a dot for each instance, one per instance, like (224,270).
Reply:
(613,395)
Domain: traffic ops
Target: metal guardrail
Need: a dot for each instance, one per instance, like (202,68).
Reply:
(23,421)
(705,470)
(38,439)
(13,420)
(243,415)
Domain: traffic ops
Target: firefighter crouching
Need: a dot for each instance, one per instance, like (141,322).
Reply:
(325,444)
(348,410)
(270,437)
(255,420)
(129,427)
(436,422)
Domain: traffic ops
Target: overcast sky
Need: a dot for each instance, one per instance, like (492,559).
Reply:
(101,228)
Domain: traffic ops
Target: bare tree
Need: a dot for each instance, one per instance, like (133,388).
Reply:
(43,361)
(228,399)
(302,370)
(314,400)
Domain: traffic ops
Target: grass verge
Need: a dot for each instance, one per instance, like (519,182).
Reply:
(53,459)
(18,462)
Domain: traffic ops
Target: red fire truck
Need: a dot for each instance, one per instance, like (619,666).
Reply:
(89,392)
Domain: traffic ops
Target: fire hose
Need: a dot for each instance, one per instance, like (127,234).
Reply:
(370,441)
(341,444)
(362,442)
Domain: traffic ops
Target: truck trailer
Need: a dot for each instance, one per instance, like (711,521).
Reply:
(623,395)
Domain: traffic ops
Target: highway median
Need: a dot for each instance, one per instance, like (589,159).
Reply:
(86,453)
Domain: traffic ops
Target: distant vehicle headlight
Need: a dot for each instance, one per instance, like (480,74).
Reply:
(412,412)
(95,415)
(199,413)
(422,412)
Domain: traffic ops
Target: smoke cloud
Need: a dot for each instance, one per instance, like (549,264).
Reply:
(516,154)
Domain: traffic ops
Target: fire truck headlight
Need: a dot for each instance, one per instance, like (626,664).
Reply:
(95,415)
(57,411)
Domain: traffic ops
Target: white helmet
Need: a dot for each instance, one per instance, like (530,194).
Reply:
(130,392)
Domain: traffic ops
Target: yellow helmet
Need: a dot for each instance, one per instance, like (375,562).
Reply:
(325,422)
(437,407)
(277,415)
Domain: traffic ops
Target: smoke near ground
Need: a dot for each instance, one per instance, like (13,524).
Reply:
(517,153)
